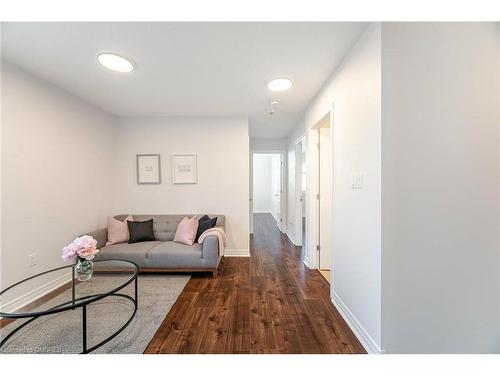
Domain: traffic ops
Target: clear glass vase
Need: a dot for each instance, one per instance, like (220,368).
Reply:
(84,269)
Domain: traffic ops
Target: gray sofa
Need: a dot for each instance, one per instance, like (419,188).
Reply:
(164,254)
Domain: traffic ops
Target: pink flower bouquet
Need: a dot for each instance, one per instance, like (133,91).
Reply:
(84,247)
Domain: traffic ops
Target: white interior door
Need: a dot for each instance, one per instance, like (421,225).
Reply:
(325,198)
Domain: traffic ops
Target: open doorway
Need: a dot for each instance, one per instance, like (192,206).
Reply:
(267,188)
(324,197)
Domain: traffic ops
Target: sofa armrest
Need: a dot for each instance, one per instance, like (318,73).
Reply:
(101,235)
(210,247)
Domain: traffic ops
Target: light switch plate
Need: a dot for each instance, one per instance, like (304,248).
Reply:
(357,181)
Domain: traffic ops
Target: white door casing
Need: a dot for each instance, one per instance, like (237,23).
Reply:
(325,198)
(277,189)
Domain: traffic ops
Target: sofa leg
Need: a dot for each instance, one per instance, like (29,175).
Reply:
(214,273)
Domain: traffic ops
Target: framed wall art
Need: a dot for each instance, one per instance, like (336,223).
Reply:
(184,169)
(148,169)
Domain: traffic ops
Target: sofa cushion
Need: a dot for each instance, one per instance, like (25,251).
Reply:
(141,231)
(134,252)
(171,254)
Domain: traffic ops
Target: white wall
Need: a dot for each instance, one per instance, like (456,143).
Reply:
(56,175)
(262,189)
(498,155)
(1,126)
(440,163)
(222,146)
(268,144)
(354,91)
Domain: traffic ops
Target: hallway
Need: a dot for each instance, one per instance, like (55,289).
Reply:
(269,303)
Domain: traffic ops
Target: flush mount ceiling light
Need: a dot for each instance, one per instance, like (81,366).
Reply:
(114,62)
(279,84)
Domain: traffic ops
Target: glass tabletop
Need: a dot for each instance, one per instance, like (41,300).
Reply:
(61,291)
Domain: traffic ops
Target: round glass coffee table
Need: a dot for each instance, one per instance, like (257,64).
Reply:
(109,279)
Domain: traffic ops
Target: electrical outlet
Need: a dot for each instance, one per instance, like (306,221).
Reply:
(33,259)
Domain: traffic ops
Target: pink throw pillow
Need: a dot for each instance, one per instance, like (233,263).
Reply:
(118,230)
(186,231)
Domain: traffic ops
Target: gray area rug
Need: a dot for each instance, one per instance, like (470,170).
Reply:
(62,332)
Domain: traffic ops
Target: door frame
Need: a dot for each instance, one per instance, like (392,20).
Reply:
(299,203)
(325,202)
(312,206)
(283,197)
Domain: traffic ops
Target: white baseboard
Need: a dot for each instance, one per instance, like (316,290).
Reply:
(357,328)
(25,299)
(237,253)
(262,212)
(291,237)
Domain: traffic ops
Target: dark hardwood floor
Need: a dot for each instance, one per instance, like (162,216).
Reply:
(269,303)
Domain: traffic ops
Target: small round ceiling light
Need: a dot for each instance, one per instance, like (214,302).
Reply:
(279,84)
(115,62)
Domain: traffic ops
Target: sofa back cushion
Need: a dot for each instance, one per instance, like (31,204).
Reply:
(164,226)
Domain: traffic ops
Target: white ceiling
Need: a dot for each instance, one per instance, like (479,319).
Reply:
(187,69)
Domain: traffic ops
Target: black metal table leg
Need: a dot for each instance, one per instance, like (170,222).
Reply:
(136,303)
(84,333)
(73,286)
